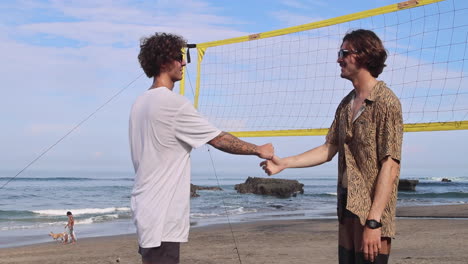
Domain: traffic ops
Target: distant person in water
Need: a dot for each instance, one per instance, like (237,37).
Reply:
(70,225)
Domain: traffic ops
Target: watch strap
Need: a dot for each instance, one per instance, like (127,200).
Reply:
(373,224)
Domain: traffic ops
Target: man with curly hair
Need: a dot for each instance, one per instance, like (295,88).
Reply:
(164,128)
(367,134)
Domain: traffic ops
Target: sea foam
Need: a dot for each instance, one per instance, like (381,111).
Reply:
(84,211)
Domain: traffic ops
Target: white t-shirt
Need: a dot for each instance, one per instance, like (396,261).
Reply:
(164,127)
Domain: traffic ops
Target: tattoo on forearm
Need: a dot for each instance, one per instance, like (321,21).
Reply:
(231,144)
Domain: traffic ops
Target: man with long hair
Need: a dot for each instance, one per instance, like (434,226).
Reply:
(367,134)
(164,128)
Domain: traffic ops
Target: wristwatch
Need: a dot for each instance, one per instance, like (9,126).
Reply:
(373,224)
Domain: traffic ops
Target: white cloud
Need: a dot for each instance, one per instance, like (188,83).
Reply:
(304,4)
(109,33)
(111,11)
(124,22)
(289,19)
(294,4)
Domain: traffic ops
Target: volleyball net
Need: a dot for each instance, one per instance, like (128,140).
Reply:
(287,82)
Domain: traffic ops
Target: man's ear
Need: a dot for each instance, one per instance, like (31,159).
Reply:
(166,67)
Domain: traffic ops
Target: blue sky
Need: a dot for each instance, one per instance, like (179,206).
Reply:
(61,60)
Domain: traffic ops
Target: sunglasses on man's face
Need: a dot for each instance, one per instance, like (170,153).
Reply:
(342,53)
(179,58)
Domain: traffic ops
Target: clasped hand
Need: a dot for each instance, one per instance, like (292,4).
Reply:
(273,166)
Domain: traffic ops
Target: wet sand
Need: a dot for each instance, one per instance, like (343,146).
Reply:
(418,240)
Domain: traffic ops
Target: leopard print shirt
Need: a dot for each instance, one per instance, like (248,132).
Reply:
(362,144)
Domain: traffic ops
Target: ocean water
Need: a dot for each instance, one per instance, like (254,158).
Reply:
(36,202)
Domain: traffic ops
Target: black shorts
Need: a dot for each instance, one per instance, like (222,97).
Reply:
(167,253)
(350,233)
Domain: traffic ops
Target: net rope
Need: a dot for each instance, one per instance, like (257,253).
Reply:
(292,81)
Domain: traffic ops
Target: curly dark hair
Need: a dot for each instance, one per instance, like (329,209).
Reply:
(371,53)
(159,50)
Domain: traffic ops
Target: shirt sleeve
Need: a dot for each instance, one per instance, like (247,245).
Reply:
(332,136)
(390,132)
(192,128)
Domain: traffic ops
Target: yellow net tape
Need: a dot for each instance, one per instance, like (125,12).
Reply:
(420,127)
(201,53)
(320,24)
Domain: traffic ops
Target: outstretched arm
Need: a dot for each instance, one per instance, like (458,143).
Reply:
(310,158)
(231,144)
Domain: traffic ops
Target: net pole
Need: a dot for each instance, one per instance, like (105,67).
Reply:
(201,53)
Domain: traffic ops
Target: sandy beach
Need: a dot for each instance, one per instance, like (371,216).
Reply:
(433,234)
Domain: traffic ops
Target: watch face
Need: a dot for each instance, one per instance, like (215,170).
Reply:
(373,224)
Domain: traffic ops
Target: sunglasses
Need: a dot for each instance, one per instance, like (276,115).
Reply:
(343,53)
(179,58)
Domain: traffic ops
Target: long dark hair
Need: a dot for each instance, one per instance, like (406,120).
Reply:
(371,53)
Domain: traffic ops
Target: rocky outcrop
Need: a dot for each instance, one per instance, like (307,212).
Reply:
(407,185)
(275,187)
(446,180)
(195,188)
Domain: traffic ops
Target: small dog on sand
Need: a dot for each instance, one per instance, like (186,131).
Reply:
(57,236)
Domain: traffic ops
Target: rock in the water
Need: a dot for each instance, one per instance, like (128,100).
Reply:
(194,188)
(407,185)
(446,180)
(268,186)
(209,188)
(277,206)
(193,191)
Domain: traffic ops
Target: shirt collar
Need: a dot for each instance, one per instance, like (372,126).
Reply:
(375,91)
